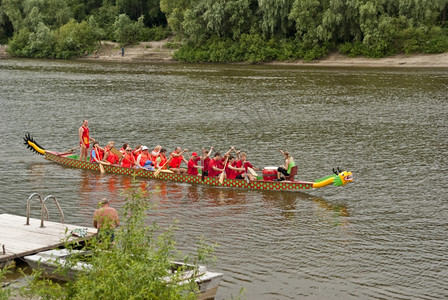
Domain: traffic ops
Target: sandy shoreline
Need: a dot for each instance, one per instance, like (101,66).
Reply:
(147,52)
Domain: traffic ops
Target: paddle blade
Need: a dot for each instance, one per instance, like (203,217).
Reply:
(157,172)
(221,178)
(102,169)
(116,152)
(252,171)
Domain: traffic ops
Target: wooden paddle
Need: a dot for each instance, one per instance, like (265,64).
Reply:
(252,171)
(157,172)
(69,151)
(101,163)
(116,152)
(221,176)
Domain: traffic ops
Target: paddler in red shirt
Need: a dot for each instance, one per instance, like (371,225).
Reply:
(244,164)
(231,169)
(205,160)
(216,165)
(84,139)
(176,160)
(193,164)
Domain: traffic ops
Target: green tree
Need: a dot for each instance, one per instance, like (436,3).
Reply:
(105,17)
(13,9)
(41,42)
(307,15)
(275,17)
(74,39)
(127,31)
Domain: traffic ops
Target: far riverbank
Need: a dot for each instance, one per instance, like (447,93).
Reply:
(157,51)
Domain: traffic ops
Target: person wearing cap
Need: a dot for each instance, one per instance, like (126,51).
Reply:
(105,218)
(193,164)
(144,159)
(176,159)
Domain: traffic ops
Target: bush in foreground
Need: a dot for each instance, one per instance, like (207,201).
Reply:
(134,267)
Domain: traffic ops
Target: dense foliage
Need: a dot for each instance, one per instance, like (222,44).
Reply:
(134,266)
(228,30)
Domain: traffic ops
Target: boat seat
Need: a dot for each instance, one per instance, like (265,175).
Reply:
(292,174)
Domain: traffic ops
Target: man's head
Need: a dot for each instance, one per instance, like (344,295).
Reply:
(85,122)
(103,202)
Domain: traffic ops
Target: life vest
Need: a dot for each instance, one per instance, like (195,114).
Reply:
(128,160)
(85,136)
(161,162)
(154,157)
(98,155)
(144,156)
(175,161)
(112,158)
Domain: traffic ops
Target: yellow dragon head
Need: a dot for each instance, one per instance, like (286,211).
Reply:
(344,177)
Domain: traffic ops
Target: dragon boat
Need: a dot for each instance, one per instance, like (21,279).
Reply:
(265,182)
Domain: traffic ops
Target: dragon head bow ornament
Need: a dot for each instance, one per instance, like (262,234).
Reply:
(339,178)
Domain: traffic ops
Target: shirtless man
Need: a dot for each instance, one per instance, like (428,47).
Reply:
(105,218)
(84,140)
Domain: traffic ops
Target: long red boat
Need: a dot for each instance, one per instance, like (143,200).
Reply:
(265,182)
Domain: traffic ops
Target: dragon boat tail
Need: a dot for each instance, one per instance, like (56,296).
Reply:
(69,158)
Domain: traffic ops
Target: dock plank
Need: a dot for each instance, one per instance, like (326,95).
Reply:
(20,240)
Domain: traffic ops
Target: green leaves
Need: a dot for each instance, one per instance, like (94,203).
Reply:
(375,28)
(138,264)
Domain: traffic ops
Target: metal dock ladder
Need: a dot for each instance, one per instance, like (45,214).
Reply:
(43,210)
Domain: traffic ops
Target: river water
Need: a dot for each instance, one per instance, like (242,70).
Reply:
(384,236)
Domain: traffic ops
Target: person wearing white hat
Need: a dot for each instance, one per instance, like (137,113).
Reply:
(144,159)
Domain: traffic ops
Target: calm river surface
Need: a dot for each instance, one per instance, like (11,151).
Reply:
(385,236)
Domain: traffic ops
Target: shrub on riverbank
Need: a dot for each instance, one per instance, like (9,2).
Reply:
(70,40)
(135,267)
(250,48)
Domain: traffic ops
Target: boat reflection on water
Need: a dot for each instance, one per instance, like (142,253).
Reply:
(335,214)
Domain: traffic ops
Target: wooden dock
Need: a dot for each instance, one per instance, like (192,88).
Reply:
(18,239)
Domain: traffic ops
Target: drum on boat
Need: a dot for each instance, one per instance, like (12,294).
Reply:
(269,173)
